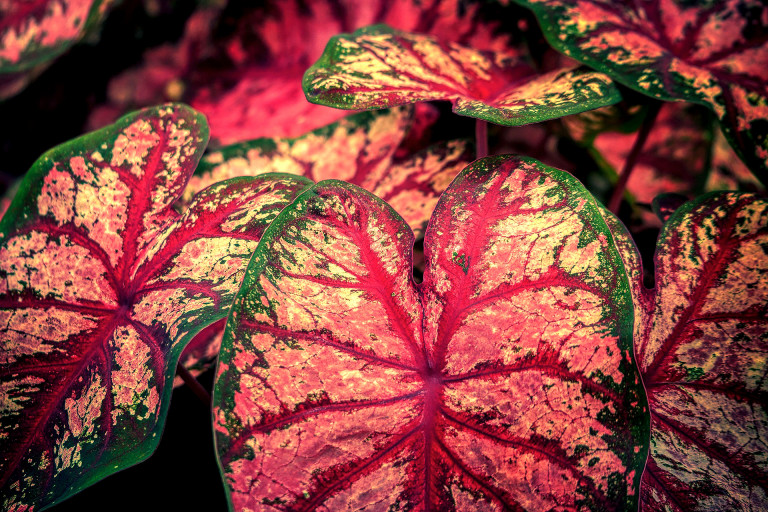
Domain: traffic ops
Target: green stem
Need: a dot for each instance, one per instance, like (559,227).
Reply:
(642,135)
(193,384)
(481,138)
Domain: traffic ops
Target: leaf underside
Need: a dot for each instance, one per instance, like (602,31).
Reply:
(378,67)
(504,381)
(102,284)
(712,53)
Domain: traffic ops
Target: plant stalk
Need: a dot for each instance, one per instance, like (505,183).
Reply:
(642,135)
(481,138)
(197,388)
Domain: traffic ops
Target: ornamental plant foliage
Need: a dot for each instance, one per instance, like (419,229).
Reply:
(397,316)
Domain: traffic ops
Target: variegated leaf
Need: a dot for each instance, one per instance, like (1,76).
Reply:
(714,53)
(505,381)
(359,149)
(378,67)
(102,284)
(35,31)
(701,338)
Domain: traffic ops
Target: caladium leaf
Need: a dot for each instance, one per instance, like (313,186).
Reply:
(378,67)
(712,53)
(701,343)
(103,284)
(35,31)
(504,381)
(359,149)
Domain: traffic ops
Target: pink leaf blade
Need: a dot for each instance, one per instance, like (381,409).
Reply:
(701,345)
(715,55)
(103,285)
(305,377)
(33,32)
(378,67)
(359,149)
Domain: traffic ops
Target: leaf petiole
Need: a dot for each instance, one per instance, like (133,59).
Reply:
(197,388)
(481,137)
(642,135)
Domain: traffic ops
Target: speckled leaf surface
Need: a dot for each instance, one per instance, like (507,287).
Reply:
(701,343)
(378,67)
(505,381)
(713,52)
(359,149)
(34,31)
(103,284)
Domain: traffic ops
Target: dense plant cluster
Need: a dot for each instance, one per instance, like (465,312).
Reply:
(528,271)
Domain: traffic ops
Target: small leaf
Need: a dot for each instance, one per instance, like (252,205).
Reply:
(504,381)
(359,149)
(102,284)
(712,53)
(701,339)
(35,31)
(378,67)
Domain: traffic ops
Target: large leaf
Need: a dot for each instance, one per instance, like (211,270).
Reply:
(34,31)
(504,381)
(702,342)
(103,284)
(378,67)
(359,149)
(713,53)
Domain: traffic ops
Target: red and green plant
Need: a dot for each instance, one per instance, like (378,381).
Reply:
(397,320)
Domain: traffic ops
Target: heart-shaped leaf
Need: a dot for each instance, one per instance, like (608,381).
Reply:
(35,31)
(504,381)
(359,149)
(701,343)
(713,53)
(378,67)
(103,284)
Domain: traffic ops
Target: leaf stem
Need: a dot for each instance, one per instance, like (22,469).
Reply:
(193,384)
(481,138)
(642,135)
